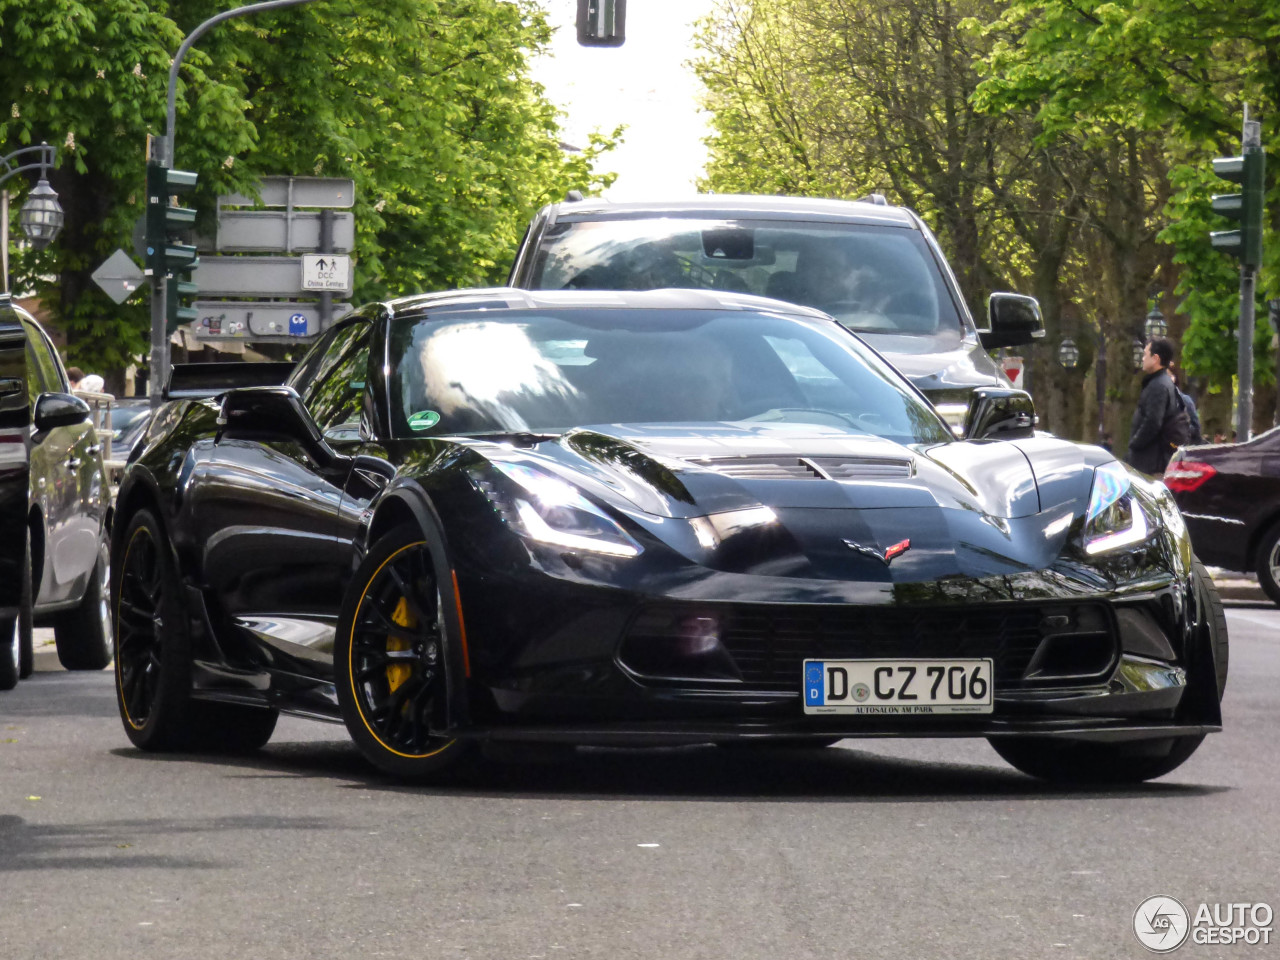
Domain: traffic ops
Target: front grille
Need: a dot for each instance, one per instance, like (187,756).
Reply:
(768,644)
(810,468)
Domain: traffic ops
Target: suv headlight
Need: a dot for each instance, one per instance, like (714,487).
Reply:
(549,510)
(1114,519)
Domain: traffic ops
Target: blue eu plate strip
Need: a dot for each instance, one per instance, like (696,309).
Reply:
(813,673)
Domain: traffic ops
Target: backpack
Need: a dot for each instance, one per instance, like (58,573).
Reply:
(1177,430)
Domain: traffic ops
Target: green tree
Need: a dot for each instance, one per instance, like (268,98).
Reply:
(426,103)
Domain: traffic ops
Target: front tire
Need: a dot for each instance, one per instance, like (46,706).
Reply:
(391,662)
(83,635)
(1118,763)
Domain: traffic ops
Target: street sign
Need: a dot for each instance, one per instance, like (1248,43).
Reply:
(326,271)
(335,193)
(271,231)
(261,276)
(118,276)
(258,320)
(1012,367)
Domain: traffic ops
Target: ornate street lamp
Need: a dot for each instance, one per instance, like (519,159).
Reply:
(1155,326)
(41,216)
(1068,354)
(1139,348)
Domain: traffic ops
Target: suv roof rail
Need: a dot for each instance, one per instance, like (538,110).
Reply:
(877,198)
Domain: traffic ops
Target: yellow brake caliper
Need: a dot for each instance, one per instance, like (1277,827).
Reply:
(398,673)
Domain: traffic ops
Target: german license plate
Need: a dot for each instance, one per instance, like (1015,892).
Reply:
(897,687)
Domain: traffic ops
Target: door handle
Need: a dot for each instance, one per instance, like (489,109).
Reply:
(73,463)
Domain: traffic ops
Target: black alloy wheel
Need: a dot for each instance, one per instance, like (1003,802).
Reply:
(153,657)
(390,661)
(1268,565)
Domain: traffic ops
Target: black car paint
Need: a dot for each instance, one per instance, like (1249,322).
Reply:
(57,487)
(944,376)
(1229,513)
(266,532)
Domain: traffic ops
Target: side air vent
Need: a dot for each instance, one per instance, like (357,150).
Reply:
(810,468)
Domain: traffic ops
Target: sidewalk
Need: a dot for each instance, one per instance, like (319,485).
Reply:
(1237,586)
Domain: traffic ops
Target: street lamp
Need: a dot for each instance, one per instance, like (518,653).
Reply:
(1139,348)
(41,216)
(1068,354)
(1155,326)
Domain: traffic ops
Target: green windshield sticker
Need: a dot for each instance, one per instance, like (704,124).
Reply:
(423,420)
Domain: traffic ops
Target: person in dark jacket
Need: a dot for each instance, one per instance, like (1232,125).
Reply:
(1159,401)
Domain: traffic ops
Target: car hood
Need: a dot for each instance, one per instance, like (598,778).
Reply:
(945,372)
(840,500)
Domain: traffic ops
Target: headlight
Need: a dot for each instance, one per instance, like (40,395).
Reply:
(1114,519)
(555,512)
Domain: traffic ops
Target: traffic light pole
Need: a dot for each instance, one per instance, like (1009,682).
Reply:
(1251,140)
(159,369)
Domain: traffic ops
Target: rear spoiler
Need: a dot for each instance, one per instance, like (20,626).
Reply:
(193,380)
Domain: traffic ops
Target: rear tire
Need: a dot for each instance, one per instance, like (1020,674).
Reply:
(1268,562)
(153,657)
(1116,763)
(83,635)
(10,653)
(391,662)
(26,633)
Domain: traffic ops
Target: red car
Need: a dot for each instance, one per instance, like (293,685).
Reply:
(1229,494)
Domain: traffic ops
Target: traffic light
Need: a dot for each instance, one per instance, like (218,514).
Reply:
(1245,207)
(168,258)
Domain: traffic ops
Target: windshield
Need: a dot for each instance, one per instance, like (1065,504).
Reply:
(470,372)
(873,279)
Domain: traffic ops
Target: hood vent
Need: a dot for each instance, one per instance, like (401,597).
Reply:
(809,468)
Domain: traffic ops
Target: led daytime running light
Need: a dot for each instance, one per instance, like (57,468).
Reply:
(539,529)
(1136,533)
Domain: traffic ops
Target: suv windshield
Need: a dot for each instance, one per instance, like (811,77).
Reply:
(873,279)
(546,372)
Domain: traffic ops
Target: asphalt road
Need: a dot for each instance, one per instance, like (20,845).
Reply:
(902,849)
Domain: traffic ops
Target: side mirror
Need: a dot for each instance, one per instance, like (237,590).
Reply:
(997,413)
(1012,320)
(601,23)
(270,414)
(59,410)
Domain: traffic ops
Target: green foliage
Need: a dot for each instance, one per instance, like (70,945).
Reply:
(427,104)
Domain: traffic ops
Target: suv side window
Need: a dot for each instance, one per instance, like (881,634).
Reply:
(44,373)
(335,397)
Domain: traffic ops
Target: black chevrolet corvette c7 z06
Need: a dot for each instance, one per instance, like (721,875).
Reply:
(642,519)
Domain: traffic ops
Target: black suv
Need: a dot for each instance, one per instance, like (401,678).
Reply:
(875,268)
(54,508)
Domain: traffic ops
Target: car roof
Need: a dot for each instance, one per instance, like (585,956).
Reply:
(729,206)
(511,298)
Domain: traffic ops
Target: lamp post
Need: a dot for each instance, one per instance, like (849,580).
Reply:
(41,215)
(1068,354)
(1155,325)
(163,155)
(1139,348)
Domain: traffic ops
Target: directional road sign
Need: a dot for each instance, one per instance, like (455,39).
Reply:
(271,231)
(261,276)
(338,193)
(326,271)
(118,277)
(258,320)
